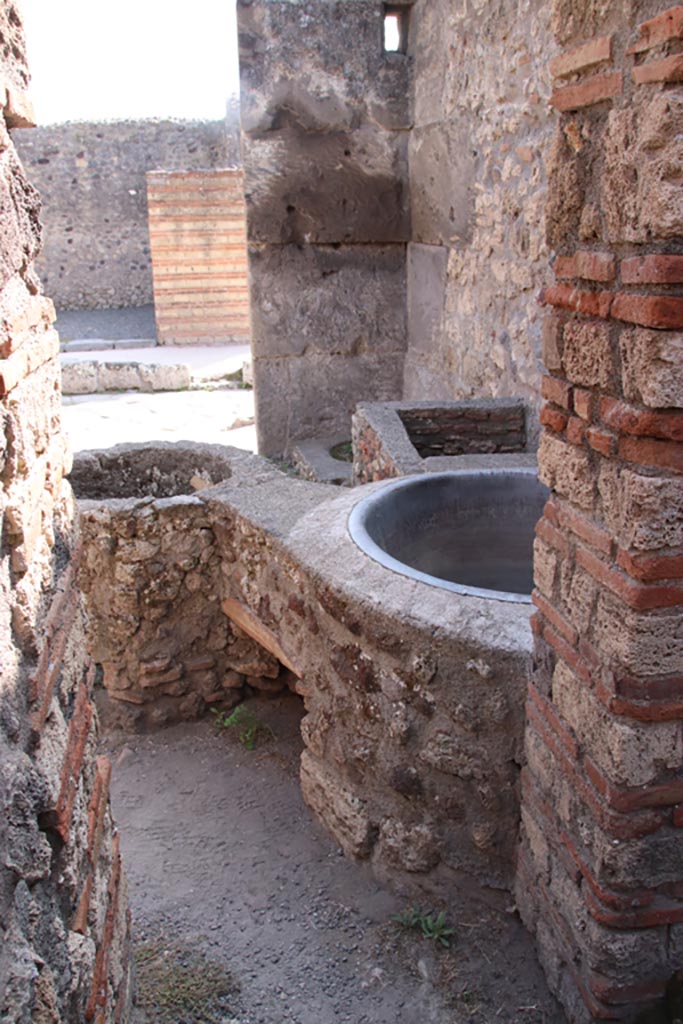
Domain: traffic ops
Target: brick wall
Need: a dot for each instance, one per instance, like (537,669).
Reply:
(197,233)
(600,871)
(63,908)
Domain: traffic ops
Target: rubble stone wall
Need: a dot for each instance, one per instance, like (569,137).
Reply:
(414,697)
(63,909)
(151,576)
(478,147)
(91,176)
(324,138)
(600,871)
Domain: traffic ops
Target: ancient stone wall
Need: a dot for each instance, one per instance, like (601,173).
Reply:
(600,871)
(478,256)
(414,697)
(151,576)
(197,233)
(63,908)
(91,176)
(324,121)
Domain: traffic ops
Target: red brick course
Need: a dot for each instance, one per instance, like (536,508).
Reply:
(650,452)
(628,419)
(664,312)
(660,29)
(553,418)
(79,731)
(98,993)
(668,69)
(591,53)
(593,90)
(651,567)
(556,390)
(566,296)
(583,403)
(663,269)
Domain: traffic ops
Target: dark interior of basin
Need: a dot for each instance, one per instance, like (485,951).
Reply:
(159,470)
(467,531)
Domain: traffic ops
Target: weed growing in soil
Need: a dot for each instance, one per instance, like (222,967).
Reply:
(179,986)
(434,927)
(250,729)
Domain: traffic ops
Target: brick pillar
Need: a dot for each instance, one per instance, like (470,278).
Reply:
(600,877)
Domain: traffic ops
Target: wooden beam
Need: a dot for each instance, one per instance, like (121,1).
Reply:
(253,627)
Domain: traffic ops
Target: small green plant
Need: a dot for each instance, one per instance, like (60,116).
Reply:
(250,729)
(434,927)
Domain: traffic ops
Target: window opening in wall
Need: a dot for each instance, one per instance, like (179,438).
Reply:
(395,29)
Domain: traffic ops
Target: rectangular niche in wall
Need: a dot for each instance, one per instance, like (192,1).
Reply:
(395,28)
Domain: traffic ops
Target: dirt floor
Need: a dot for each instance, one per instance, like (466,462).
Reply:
(246,912)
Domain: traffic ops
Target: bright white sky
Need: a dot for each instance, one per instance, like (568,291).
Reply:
(113,59)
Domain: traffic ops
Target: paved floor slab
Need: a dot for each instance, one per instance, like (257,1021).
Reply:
(218,417)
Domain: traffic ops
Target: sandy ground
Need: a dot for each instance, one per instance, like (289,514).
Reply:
(223,857)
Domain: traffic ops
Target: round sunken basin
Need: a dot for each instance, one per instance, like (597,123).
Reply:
(471,532)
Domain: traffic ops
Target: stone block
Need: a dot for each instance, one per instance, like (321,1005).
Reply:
(643,512)
(442,185)
(587,353)
(119,377)
(347,79)
(645,645)
(427,274)
(641,144)
(340,810)
(79,378)
(311,300)
(164,377)
(409,847)
(651,362)
(629,753)
(326,187)
(567,469)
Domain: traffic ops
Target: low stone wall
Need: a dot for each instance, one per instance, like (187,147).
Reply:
(414,697)
(151,577)
(88,377)
(396,438)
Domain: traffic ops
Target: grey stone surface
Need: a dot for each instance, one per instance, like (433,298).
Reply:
(303,398)
(316,300)
(314,460)
(442,176)
(327,186)
(427,275)
(105,326)
(320,62)
(92,180)
(325,114)
(89,376)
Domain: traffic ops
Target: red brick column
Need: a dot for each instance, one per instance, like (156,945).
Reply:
(600,877)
